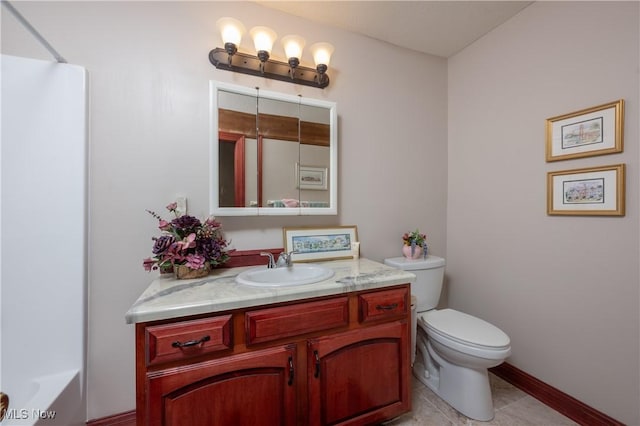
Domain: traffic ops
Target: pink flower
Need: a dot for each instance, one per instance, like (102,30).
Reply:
(173,255)
(164,225)
(149,264)
(195,261)
(172,207)
(187,243)
(212,222)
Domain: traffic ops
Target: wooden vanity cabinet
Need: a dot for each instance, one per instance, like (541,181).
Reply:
(338,360)
(359,377)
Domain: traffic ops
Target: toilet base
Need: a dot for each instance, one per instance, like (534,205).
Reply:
(465,389)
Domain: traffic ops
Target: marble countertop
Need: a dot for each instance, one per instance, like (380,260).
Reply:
(168,298)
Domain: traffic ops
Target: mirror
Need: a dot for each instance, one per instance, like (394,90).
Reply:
(271,153)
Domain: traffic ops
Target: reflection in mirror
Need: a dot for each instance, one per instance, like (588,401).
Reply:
(272,154)
(278,126)
(312,171)
(237,151)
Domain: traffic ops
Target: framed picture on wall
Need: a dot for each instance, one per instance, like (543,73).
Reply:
(588,132)
(308,177)
(315,244)
(592,191)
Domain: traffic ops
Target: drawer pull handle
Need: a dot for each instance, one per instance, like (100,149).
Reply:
(390,307)
(317,373)
(178,344)
(291,371)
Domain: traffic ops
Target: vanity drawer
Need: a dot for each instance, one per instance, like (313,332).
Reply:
(186,339)
(383,304)
(269,324)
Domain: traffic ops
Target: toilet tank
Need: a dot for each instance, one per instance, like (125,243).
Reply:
(429,277)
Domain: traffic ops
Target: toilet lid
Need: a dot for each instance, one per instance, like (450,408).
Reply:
(420,264)
(465,328)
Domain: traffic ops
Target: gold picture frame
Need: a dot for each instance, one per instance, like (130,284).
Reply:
(590,191)
(310,244)
(585,133)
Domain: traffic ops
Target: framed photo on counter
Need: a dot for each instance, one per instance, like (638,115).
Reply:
(315,244)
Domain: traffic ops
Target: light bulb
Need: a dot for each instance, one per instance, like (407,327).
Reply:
(231,30)
(263,38)
(293,45)
(322,53)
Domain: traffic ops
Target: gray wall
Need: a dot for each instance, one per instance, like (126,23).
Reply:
(565,289)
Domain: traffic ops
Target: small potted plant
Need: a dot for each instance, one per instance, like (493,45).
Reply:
(414,244)
(187,246)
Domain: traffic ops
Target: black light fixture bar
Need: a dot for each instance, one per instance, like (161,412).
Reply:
(276,70)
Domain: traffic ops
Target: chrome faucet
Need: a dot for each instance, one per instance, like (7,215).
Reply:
(284,259)
(271,263)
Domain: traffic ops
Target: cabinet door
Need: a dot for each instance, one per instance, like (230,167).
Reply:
(255,388)
(360,376)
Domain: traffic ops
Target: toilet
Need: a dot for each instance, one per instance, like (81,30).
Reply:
(452,350)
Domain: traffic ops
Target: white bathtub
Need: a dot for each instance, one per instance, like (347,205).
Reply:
(48,400)
(43,261)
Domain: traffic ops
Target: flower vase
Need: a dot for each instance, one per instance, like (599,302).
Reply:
(183,272)
(417,252)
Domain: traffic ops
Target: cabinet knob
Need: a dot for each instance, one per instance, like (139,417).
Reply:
(317,372)
(291,371)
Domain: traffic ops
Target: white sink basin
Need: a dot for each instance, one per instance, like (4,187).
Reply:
(296,274)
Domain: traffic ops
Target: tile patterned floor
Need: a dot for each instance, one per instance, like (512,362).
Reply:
(513,407)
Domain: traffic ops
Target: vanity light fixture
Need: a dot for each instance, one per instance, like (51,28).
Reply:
(230,59)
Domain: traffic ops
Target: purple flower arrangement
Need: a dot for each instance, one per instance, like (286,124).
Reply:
(186,240)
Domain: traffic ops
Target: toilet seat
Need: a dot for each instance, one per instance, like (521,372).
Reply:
(465,332)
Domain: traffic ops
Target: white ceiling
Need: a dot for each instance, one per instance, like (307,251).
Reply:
(440,28)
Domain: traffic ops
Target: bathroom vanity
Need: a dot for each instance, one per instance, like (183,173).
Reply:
(214,352)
